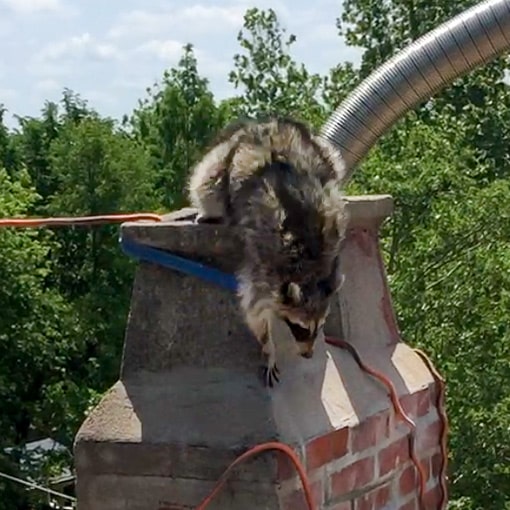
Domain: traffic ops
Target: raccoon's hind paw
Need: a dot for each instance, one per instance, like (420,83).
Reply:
(270,375)
(208,219)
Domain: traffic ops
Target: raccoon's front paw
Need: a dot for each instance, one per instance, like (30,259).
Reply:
(208,219)
(270,375)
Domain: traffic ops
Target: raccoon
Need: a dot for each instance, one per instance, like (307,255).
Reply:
(282,185)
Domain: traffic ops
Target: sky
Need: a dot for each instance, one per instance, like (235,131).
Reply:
(110,51)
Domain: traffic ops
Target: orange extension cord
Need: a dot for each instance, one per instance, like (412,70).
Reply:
(264,447)
(79,220)
(277,446)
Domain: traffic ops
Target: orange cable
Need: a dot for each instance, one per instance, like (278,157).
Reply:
(78,220)
(286,449)
(440,404)
(399,411)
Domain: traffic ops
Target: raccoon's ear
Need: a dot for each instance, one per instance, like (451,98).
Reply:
(291,292)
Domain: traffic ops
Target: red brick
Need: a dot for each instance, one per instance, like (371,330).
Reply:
(410,505)
(408,481)
(297,501)
(352,477)
(408,403)
(326,448)
(423,402)
(436,464)
(285,467)
(393,455)
(382,496)
(432,498)
(430,437)
(374,500)
(370,432)
(416,404)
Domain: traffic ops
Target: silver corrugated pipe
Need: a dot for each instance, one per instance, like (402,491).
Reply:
(415,74)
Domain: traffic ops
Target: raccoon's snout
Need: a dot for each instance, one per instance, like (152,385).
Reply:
(304,337)
(300,334)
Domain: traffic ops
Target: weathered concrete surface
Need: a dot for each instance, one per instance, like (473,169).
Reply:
(217,245)
(189,399)
(148,492)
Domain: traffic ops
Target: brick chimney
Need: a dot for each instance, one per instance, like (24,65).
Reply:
(189,400)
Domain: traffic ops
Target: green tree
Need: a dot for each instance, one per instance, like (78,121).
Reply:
(271,82)
(338,84)
(175,122)
(8,156)
(38,335)
(98,170)
(66,291)
(32,141)
(449,238)
(448,256)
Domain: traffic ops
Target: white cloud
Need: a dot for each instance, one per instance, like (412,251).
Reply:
(7,94)
(77,47)
(170,51)
(167,50)
(31,6)
(232,16)
(47,85)
(6,28)
(196,18)
(126,82)
(101,97)
(211,67)
(68,56)
(324,32)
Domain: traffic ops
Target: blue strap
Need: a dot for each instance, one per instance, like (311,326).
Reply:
(186,266)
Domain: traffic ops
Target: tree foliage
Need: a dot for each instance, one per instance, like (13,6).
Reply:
(65,292)
(38,334)
(174,123)
(269,78)
(447,256)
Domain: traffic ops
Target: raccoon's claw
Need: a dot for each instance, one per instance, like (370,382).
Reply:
(270,375)
(208,219)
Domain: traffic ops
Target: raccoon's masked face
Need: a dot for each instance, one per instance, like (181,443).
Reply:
(305,332)
(305,306)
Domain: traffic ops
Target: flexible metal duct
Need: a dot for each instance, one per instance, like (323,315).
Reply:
(415,74)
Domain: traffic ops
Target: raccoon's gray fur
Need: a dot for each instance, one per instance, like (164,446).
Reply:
(281,184)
